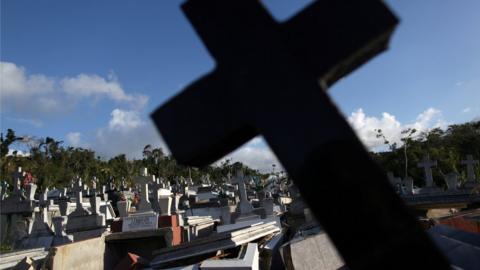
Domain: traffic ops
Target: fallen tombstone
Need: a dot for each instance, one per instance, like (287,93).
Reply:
(202,248)
(10,259)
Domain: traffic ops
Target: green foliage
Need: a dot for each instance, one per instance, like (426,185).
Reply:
(54,165)
(5,248)
(448,147)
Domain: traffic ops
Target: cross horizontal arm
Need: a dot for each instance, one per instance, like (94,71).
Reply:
(351,32)
(199,124)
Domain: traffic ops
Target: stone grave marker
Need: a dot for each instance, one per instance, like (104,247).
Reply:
(30,192)
(17,176)
(287,68)
(427,165)
(471,177)
(40,233)
(78,191)
(145,218)
(60,237)
(244,207)
(82,222)
(165,201)
(408,183)
(140,222)
(155,188)
(143,180)
(451,179)
(123,208)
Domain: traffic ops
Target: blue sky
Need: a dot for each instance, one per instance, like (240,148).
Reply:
(90,72)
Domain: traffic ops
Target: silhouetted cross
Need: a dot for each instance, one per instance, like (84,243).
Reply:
(270,79)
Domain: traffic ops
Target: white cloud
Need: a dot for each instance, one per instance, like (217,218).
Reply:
(467,110)
(23,93)
(18,153)
(124,120)
(16,83)
(365,126)
(35,96)
(430,118)
(86,86)
(75,139)
(256,154)
(126,133)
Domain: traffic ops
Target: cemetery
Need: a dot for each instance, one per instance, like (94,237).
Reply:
(149,228)
(336,205)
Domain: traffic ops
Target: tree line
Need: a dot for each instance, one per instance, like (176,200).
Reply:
(53,164)
(448,146)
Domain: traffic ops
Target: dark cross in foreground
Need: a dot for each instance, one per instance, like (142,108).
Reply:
(271,79)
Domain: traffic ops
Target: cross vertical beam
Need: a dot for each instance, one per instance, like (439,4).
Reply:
(270,79)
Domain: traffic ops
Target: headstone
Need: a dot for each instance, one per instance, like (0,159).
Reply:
(144,221)
(267,204)
(17,176)
(143,180)
(43,200)
(175,203)
(63,206)
(244,206)
(408,183)
(40,233)
(95,203)
(287,67)
(78,191)
(107,210)
(155,188)
(40,225)
(427,165)
(81,222)
(63,192)
(471,177)
(17,202)
(123,208)
(451,179)
(30,192)
(61,237)
(165,202)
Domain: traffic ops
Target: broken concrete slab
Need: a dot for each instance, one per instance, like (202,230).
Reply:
(312,252)
(248,260)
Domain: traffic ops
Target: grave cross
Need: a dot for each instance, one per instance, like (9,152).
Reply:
(245,206)
(143,180)
(470,162)
(17,176)
(427,165)
(78,191)
(271,79)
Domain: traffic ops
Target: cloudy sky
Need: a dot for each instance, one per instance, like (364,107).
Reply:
(90,72)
